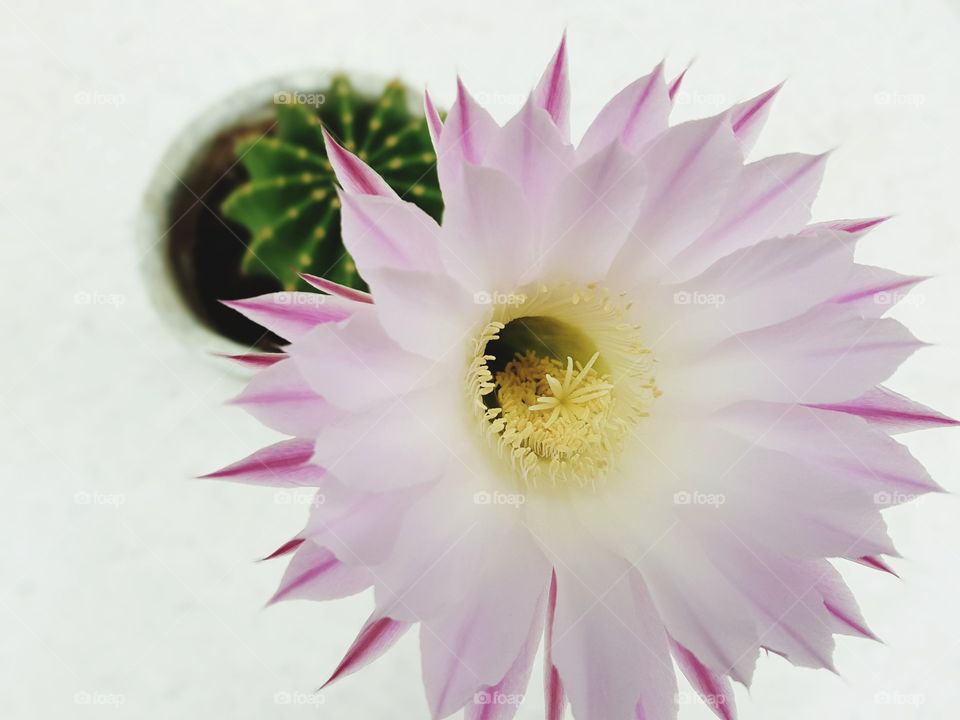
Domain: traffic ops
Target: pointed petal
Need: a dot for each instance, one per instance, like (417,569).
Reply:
(842,606)
(877,563)
(770,198)
(713,688)
(823,356)
(360,527)
(285,464)
(758,286)
(475,644)
(857,227)
(281,399)
(354,175)
(533,153)
(315,573)
(357,365)
(593,208)
(611,647)
(255,360)
(501,701)
(873,291)
(288,547)
(748,117)
(678,81)
(396,248)
(434,123)
(488,239)
(290,314)
(332,288)
(779,593)
(426,313)
(388,232)
(555,699)
(467,133)
(377,636)
(553,91)
(636,115)
(891,411)
(858,454)
(700,607)
(692,169)
(393,445)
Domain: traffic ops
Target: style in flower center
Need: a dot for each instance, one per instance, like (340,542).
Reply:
(557,383)
(558,413)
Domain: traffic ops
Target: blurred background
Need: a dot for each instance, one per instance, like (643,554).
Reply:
(127,588)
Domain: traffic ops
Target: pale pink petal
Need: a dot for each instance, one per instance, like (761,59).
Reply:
(255,360)
(314,573)
(699,606)
(610,645)
(381,232)
(332,288)
(781,594)
(678,81)
(396,248)
(467,133)
(398,443)
(713,688)
(357,365)
(769,600)
(876,563)
(591,214)
(281,399)
(359,527)
(692,168)
(891,412)
(434,123)
(552,93)
(533,152)
(474,644)
(288,547)
(724,587)
(757,286)
(771,197)
(748,117)
(554,697)
(856,227)
(842,606)
(291,314)
(377,636)
(449,547)
(488,241)
(501,701)
(857,454)
(873,291)
(822,356)
(635,116)
(773,498)
(426,313)
(354,175)
(285,464)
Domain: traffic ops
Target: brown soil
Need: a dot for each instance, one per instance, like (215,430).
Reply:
(206,248)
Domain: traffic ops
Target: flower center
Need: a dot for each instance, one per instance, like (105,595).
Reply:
(557,381)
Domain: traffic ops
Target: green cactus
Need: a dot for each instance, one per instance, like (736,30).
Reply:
(290,206)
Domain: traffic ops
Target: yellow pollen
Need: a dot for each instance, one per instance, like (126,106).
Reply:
(557,414)
(556,383)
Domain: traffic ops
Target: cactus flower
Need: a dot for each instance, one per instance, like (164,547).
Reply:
(625,401)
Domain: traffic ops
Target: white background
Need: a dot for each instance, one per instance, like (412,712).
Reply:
(127,589)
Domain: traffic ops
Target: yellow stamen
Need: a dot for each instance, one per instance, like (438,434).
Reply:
(560,422)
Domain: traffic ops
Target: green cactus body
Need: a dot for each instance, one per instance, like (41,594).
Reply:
(290,204)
